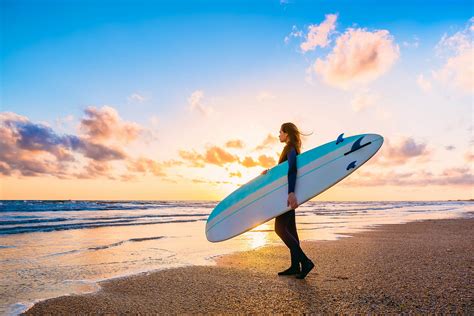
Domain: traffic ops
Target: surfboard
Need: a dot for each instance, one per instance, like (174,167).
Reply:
(265,196)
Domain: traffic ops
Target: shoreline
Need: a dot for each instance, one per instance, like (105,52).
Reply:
(421,266)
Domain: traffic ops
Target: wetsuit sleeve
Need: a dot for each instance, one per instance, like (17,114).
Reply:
(291,170)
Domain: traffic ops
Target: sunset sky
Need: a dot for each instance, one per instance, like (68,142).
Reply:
(183,100)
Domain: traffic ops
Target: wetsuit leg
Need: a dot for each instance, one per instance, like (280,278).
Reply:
(292,225)
(283,229)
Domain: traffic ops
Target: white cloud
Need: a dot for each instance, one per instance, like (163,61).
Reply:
(318,35)
(423,83)
(294,33)
(458,71)
(359,57)
(135,97)
(457,51)
(195,103)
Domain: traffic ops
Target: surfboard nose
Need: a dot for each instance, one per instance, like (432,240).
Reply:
(373,137)
(211,234)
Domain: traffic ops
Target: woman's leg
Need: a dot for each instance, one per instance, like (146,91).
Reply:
(284,226)
(292,225)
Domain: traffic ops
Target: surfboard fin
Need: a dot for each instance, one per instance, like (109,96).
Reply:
(357,146)
(351,165)
(340,139)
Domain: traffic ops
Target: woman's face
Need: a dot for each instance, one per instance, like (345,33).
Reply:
(283,136)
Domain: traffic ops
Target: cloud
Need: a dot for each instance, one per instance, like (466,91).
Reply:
(97,151)
(193,158)
(34,149)
(359,57)
(135,97)
(267,142)
(423,83)
(145,165)
(211,181)
(96,169)
(363,100)
(457,53)
(237,143)
(458,176)
(402,151)
(263,160)
(318,35)
(195,102)
(249,162)
(266,161)
(105,124)
(235,174)
(449,147)
(458,71)
(294,33)
(213,155)
(219,156)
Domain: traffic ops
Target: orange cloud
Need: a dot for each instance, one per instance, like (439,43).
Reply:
(234,144)
(249,162)
(268,141)
(210,181)
(214,155)
(266,161)
(219,156)
(145,165)
(235,174)
(196,160)
(105,124)
(359,56)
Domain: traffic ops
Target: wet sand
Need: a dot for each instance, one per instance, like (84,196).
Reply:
(420,267)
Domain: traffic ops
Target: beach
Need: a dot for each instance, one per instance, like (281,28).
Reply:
(421,267)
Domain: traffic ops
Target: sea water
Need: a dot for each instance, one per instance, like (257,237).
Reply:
(53,248)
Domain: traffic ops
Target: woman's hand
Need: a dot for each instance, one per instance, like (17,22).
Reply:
(292,202)
(264,171)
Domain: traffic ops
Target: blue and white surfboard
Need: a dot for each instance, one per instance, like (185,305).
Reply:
(265,196)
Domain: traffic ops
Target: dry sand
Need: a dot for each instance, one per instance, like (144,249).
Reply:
(420,267)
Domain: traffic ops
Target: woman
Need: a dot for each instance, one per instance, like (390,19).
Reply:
(285,225)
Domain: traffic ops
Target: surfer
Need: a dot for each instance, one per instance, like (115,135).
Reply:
(285,225)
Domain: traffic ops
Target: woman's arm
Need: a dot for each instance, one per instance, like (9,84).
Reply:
(292,169)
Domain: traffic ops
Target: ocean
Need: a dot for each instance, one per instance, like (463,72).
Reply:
(53,248)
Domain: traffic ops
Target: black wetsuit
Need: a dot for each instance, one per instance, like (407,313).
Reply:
(285,225)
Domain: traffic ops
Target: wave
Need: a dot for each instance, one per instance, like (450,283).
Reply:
(20,230)
(115,244)
(36,220)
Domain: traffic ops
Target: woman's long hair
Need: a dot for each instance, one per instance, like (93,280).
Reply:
(294,139)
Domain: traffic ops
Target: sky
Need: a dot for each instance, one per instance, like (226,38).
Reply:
(183,100)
